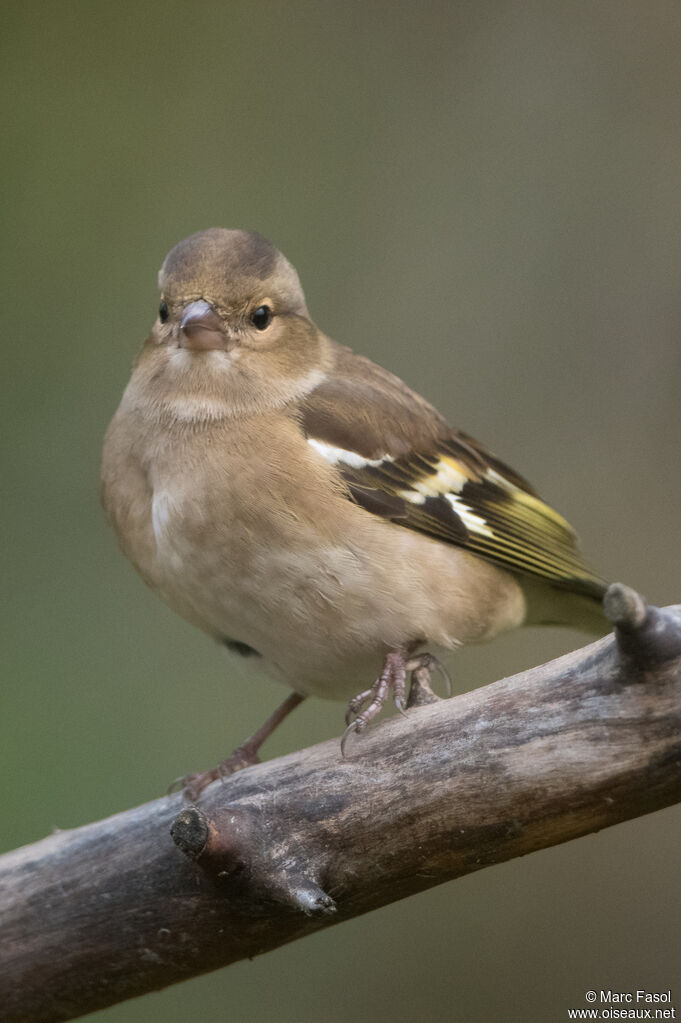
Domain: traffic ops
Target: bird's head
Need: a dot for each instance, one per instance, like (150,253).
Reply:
(233,335)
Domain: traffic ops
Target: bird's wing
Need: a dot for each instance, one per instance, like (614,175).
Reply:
(400,460)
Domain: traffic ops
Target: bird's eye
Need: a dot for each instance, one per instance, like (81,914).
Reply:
(163,312)
(262,317)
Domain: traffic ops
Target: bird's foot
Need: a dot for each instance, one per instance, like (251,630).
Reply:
(364,707)
(192,785)
(246,755)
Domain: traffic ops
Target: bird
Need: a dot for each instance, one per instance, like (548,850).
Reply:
(304,507)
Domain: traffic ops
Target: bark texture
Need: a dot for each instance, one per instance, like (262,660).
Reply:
(167,891)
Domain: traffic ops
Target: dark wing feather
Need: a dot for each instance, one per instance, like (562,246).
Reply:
(400,460)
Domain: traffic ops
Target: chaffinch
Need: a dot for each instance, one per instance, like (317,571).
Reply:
(304,507)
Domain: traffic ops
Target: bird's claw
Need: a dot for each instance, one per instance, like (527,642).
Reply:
(364,707)
(192,785)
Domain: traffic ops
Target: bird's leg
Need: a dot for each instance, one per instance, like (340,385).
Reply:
(393,676)
(243,756)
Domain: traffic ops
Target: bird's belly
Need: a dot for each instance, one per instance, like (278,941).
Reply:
(320,610)
(308,612)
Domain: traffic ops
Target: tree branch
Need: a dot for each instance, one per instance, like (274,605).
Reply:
(117,908)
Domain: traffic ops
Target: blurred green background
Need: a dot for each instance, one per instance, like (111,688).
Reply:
(485,198)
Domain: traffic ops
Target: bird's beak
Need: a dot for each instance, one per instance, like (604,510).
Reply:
(202,329)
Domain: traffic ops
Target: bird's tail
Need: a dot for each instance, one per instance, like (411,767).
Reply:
(553,605)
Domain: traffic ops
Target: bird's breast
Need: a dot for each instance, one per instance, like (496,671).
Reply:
(282,561)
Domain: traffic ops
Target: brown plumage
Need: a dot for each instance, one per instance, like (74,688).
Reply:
(293,499)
